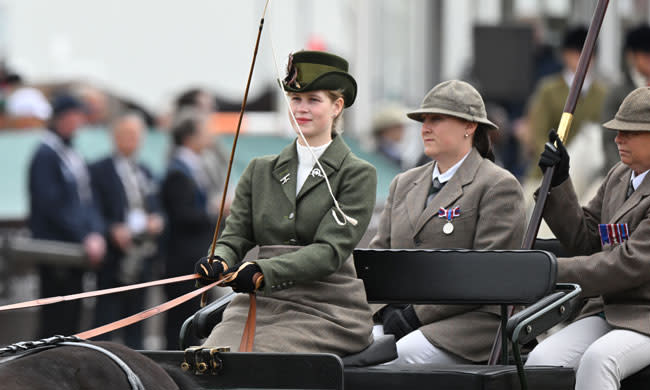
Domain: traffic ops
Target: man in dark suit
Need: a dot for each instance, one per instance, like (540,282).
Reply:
(127,199)
(190,224)
(62,209)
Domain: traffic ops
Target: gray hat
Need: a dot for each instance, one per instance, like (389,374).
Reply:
(634,112)
(455,98)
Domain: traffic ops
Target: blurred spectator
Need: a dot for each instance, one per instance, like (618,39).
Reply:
(98,111)
(547,103)
(637,74)
(127,199)
(197,101)
(388,126)
(25,107)
(62,209)
(190,226)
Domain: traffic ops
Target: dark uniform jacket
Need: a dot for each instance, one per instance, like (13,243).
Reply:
(311,300)
(617,275)
(492,216)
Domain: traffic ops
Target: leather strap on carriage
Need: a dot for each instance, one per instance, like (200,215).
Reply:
(90,294)
(143,315)
(248,337)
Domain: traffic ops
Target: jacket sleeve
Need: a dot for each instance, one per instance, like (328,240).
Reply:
(237,237)
(576,227)
(381,240)
(332,243)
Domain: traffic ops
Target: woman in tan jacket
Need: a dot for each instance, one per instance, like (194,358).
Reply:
(459,200)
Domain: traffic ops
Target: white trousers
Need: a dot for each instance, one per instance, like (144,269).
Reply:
(602,355)
(414,348)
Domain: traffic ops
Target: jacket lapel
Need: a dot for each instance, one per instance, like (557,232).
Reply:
(619,203)
(331,161)
(285,171)
(416,197)
(452,190)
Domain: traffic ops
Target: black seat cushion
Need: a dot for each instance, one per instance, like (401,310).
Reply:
(382,350)
(638,381)
(465,377)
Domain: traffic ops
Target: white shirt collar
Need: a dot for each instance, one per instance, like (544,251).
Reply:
(637,180)
(304,157)
(190,158)
(638,79)
(445,177)
(568,79)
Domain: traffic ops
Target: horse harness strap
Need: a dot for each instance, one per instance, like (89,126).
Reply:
(131,376)
(25,348)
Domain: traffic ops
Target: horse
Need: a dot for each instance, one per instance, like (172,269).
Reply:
(64,363)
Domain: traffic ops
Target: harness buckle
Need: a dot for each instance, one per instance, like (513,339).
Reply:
(203,360)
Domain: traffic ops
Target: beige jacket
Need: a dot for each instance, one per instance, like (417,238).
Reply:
(618,277)
(492,216)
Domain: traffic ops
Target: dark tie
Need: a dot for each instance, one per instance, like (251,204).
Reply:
(436,186)
(630,190)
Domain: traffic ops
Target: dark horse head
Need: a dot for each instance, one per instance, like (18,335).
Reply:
(76,368)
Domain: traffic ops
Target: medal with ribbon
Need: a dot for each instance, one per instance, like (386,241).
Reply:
(449,215)
(613,233)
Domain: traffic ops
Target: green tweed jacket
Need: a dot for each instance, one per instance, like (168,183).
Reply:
(314,284)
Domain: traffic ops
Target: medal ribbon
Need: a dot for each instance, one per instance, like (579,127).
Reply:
(613,233)
(449,214)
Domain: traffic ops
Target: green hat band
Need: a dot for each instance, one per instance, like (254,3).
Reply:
(308,72)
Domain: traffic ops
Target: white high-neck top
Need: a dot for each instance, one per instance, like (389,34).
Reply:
(306,162)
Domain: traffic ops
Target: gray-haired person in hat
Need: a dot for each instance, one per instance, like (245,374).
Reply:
(308,296)
(459,200)
(610,340)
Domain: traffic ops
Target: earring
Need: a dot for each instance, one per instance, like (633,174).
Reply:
(466,135)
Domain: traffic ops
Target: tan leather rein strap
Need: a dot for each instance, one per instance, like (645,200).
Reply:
(89,294)
(143,315)
(248,337)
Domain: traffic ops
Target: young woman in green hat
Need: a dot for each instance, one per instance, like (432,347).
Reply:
(307,216)
(459,200)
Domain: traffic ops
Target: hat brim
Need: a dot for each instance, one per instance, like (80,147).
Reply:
(617,124)
(330,81)
(418,115)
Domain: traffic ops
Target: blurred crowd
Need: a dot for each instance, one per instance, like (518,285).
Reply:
(125,218)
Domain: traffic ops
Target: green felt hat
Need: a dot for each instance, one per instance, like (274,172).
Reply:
(318,70)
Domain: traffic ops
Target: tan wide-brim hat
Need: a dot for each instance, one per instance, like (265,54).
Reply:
(455,98)
(634,112)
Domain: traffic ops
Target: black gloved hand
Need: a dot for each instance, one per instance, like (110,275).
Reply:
(210,272)
(555,156)
(400,320)
(244,277)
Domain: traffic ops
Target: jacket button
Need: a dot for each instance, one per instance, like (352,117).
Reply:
(291,215)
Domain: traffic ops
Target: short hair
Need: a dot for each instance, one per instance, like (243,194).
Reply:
(638,39)
(574,38)
(129,115)
(185,124)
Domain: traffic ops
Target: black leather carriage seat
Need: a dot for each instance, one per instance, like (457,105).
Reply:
(464,277)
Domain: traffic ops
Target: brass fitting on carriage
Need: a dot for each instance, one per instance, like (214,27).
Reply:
(203,360)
